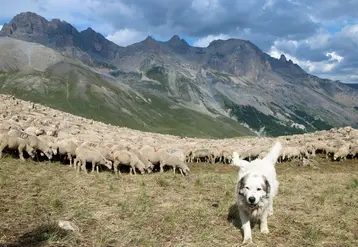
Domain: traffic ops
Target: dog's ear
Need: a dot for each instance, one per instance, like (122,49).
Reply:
(241,185)
(266,186)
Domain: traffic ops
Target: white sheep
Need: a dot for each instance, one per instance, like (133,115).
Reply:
(35,131)
(342,152)
(175,162)
(86,154)
(34,142)
(148,165)
(124,157)
(14,142)
(67,147)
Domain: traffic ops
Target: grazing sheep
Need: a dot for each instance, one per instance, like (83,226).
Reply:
(34,142)
(174,162)
(67,147)
(201,154)
(148,165)
(50,140)
(14,142)
(342,152)
(124,157)
(86,154)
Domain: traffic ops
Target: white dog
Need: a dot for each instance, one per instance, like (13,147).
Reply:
(255,190)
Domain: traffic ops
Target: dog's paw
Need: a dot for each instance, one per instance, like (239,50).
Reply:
(265,230)
(247,241)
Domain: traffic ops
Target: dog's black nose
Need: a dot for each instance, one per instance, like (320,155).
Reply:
(251,199)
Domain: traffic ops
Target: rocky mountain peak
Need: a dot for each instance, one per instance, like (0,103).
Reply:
(178,45)
(25,23)
(283,58)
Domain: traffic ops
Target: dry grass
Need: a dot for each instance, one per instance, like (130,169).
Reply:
(315,207)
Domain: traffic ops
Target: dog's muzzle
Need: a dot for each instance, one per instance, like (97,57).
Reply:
(252,206)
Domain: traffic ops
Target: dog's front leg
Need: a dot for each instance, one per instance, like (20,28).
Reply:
(246,227)
(263,221)
(270,213)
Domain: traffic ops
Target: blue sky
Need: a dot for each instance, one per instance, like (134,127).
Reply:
(321,36)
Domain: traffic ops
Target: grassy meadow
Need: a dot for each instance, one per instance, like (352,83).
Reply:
(315,206)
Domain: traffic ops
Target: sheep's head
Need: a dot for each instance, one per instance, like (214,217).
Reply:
(31,151)
(54,149)
(141,169)
(184,169)
(149,167)
(39,132)
(336,157)
(108,164)
(49,154)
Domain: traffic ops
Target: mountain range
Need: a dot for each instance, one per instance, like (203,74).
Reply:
(230,88)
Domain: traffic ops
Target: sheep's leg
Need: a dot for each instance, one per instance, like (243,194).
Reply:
(70,158)
(20,148)
(174,167)
(162,164)
(115,168)
(134,172)
(97,168)
(83,166)
(181,171)
(93,166)
(75,163)
(2,146)
(79,166)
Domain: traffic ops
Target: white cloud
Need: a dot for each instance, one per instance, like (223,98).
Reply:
(268,4)
(311,67)
(204,42)
(125,37)
(204,5)
(319,40)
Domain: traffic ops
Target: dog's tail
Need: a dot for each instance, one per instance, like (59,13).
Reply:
(236,161)
(274,153)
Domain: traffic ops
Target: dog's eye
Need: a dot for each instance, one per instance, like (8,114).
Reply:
(247,188)
(258,189)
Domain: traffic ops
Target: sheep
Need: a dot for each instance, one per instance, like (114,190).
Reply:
(67,147)
(14,142)
(354,151)
(226,157)
(200,154)
(34,142)
(50,140)
(148,165)
(175,162)
(86,154)
(125,157)
(34,131)
(156,155)
(342,152)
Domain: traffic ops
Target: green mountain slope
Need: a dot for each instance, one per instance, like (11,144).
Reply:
(73,87)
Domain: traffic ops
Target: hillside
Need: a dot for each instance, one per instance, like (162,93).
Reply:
(214,91)
(36,73)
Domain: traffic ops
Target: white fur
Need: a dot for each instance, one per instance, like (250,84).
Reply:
(256,188)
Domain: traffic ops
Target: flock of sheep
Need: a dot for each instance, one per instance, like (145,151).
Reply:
(41,132)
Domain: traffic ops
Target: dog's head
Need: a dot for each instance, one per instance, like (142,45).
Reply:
(254,188)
